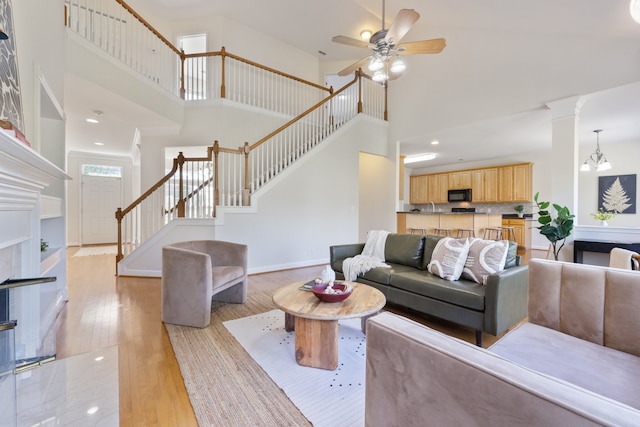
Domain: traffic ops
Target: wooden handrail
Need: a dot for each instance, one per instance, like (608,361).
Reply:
(304,114)
(223,53)
(149,27)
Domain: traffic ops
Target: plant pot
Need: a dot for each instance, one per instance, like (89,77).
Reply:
(520,214)
(603,223)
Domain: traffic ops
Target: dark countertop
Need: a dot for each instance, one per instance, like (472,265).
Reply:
(448,213)
(515,216)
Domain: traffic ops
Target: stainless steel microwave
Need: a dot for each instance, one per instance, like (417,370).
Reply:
(460,195)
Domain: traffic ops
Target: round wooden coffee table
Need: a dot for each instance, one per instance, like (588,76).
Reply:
(316,322)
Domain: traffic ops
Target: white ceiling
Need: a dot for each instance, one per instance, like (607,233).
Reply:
(484,96)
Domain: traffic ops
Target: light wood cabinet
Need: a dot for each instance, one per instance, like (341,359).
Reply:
(519,228)
(522,177)
(514,183)
(418,189)
(484,185)
(459,180)
(510,183)
(438,188)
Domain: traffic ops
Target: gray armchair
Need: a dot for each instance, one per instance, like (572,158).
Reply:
(196,272)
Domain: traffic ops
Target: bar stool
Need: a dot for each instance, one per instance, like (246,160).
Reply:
(492,233)
(443,232)
(470,232)
(508,233)
(422,231)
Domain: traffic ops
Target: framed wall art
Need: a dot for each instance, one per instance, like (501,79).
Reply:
(11,103)
(617,193)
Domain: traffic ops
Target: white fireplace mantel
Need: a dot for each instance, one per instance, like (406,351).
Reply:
(23,167)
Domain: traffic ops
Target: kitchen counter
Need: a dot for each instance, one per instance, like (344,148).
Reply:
(454,221)
(445,213)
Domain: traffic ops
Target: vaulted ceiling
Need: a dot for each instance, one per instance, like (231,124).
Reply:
(484,96)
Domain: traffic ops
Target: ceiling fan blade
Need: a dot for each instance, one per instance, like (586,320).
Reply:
(350,42)
(351,68)
(401,25)
(424,46)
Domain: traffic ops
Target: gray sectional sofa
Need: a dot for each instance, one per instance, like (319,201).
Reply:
(492,308)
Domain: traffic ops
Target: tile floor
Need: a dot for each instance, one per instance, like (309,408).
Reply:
(76,391)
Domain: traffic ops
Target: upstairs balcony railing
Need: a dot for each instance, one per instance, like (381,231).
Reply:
(117,29)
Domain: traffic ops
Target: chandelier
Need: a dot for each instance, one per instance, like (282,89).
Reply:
(598,159)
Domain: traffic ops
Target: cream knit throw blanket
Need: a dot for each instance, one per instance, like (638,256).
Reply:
(372,256)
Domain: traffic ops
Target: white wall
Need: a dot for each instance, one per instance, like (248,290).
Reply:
(319,202)
(377,188)
(40,40)
(74,188)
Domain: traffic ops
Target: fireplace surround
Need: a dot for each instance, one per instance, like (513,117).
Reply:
(25,213)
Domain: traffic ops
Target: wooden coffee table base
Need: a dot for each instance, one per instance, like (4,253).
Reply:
(316,323)
(317,343)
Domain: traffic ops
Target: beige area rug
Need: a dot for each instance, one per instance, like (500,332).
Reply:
(225,385)
(97,250)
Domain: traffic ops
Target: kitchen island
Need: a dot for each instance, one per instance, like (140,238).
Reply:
(429,221)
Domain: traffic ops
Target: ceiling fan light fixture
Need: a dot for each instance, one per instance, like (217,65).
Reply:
(634,8)
(376,64)
(379,76)
(366,35)
(398,66)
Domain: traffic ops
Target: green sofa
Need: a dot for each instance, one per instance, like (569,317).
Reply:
(491,308)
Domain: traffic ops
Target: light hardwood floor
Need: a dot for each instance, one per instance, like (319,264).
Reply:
(104,310)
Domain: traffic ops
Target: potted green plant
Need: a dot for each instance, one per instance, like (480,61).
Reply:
(603,216)
(520,210)
(555,229)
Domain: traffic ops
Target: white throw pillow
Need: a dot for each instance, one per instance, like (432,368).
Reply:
(485,258)
(448,258)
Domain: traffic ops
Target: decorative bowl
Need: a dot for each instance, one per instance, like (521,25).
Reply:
(343,290)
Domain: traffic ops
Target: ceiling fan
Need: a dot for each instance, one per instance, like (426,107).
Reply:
(385,61)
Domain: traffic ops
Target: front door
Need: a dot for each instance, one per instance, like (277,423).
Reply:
(101,196)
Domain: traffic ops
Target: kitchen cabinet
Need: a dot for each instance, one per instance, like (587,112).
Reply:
(438,188)
(459,180)
(484,185)
(514,183)
(418,189)
(520,230)
(509,183)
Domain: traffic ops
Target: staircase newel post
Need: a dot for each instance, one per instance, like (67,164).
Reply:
(223,90)
(119,255)
(182,59)
(216,192)
(359,74)
(181,184)
(386,114)
(245,192)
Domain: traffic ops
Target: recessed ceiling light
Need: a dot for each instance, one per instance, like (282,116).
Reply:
(98,143)
(92,121)
(435,142)
(419,158)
